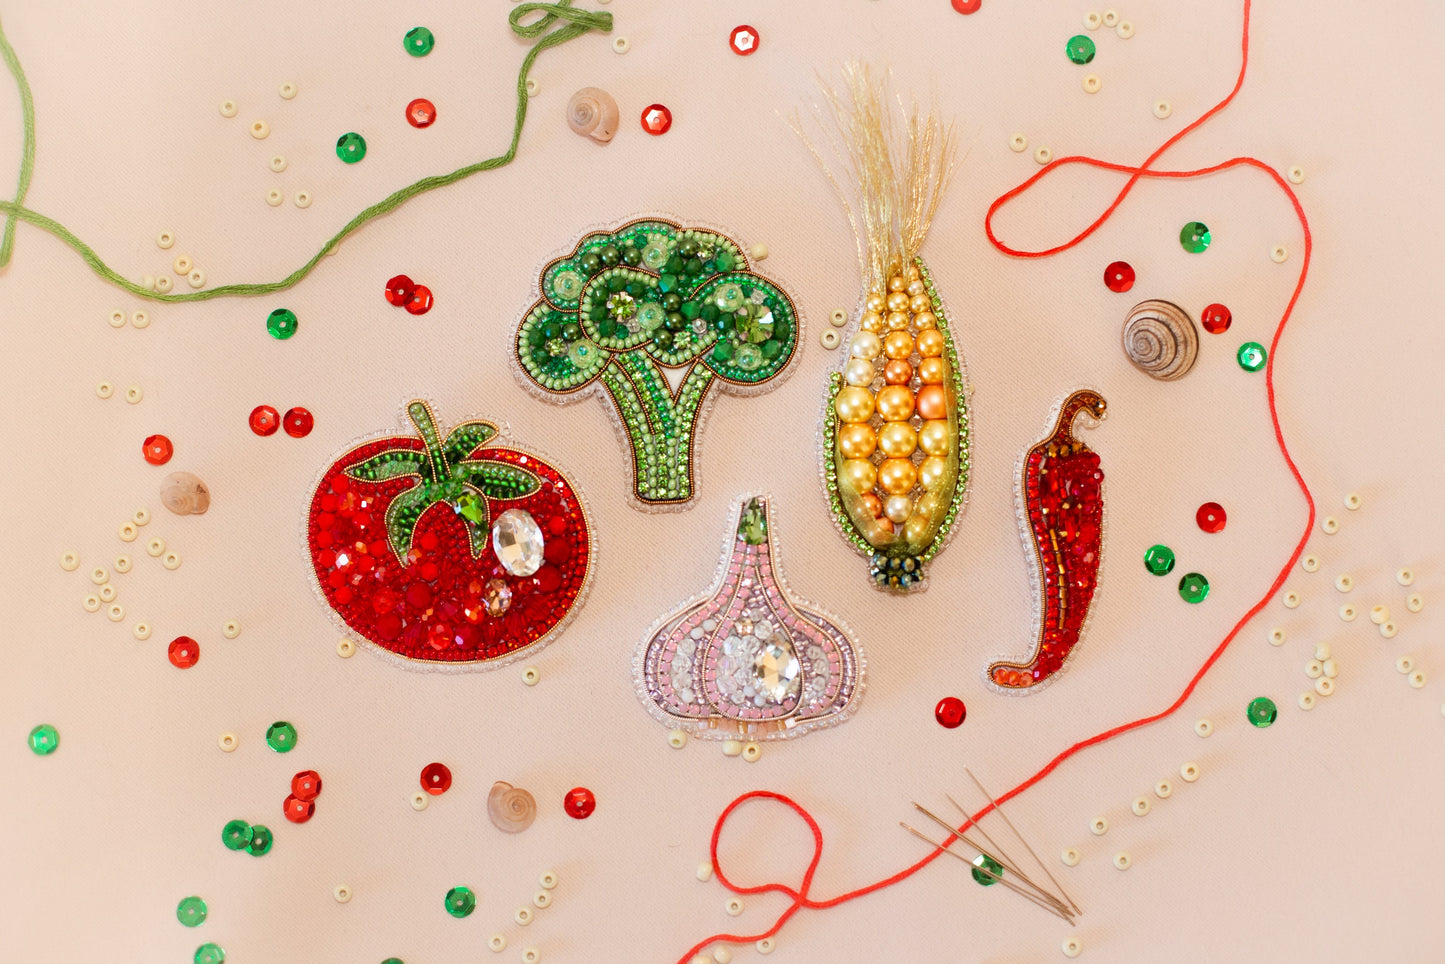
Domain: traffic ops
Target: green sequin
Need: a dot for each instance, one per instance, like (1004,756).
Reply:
(281,323)
(1193,588)
(461,901)
(418,41)
(44,739)
(1080,49)
(281,736)
(351,147)
(261,840)
(986,870)
(1159,560)
(236,835)
(1261,711)
(1251,356)
(191,911)
(210,954)
(1194,237)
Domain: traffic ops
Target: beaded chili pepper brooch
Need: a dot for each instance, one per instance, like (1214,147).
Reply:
(448,549)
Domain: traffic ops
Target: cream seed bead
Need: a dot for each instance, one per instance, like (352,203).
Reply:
(117,319)
(1314,669)
(1122,860)
(1331,668)
(107,593)
(1140,806)
(1379,615)
(677,739)
(1353,501)
(1072,947)
(1069,856)
(1291,599)
(91,603)
(548,879)
(531,955)
(1404,664)
(1348,613)
(1204,727)
(752,752)
(1099,826)
(1405,577)
(228,109)
(531,676)
(100,575)
(104,390)
(341,893)
(1330,525)
(704,871)
(1344,582)
(70,560)
(1324,686)
(228,742)
(497,943)
(758,252)
(523,916)
(345,648)
(1276,637)
(1417,679)
(1018,143)
(1189,772)
(1042,155)
(156,548)
(1322,650)
(115,613)
(766,946)
(542,899)
(732,748)
(1415,602)
(418,800)
(722,955)
(733,906)
(141,631)
(1310,563)
(1296,175)
(1307,701)
(1163,789)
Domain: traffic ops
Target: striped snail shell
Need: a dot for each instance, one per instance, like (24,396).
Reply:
(185,494)
(512,809)
(593,113)
(1160,339)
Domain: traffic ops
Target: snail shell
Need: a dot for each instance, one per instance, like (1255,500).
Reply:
(593,113)
(512,809)
(1160,339)
(185,494)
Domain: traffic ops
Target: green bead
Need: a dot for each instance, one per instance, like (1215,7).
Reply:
(44,739)
(191,911)
(753,525)
(1159,560)
(1080,49)
(393,960)
(281,323)
(261,841)
(983,862)
(461,901)
(351,147)
(1261,711)
(418,41)
(472,508)
(1193,588)
(1194,236)
(236,835)
(281,736)
(210,954)
(1251,356)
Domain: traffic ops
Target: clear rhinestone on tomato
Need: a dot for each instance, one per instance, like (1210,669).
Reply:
(656,119)
(1216,319)
(967,6)
(420,301)
(950,712)
(744,40)
(183,652)
(399,289)
(579,803)
(298,422)
(1119,276)
(298,810)
(436,778)
(306,785)
(265,420)
(1211,517)
(421,112)
(157,449)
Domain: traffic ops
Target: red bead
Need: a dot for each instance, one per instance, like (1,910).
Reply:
(399,289)
(183,652)
(1211,517)
(298,810)
(967,6)
(1216,319)
(436,778)
(298,422)
(656,119)
(420,301)
(157,449)
(744,40)
(265,420)
(306,785)
(421,112)
(1119,276)
(950,712)
(579,803)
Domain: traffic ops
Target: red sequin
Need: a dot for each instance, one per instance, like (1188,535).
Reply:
(436,778)
(183,652)
(1119,276)
(656,119)
(265,420)
(950,712)
(399,289)
(967,6)
(579,803)
(306,785)
(421,112)
(744,40)
(1216,319)
(1211,517)
(420,301)
(298,810)
(157,449)
(298,422)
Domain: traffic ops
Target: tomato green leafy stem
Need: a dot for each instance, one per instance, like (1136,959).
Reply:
(624,305)
(575,23)
(444,474)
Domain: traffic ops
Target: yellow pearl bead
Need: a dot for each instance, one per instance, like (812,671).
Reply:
(872,321)
(919,527)
(897,440)
(857,441)
(930,371)
(855,404)
(897,476)
(896,283)
(897,301)
(915,283)
(865,345)
(896,320)
(898,344)
(919,303)
(934,438)
(913,273)
(858,475)
(875,302)
(895,404)
(931,471)
(858,372)
(930,343)
(924,319)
